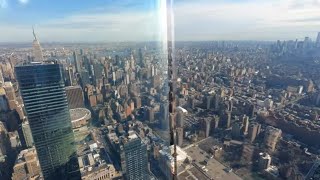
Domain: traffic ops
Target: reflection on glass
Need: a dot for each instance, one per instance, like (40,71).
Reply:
(92,106)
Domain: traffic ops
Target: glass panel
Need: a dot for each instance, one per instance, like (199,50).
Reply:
(159,89)
(92,78)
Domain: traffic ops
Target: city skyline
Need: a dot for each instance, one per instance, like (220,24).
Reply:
(119,89)
(113,21)
(104,112)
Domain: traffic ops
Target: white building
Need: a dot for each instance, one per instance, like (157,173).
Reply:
(166,160)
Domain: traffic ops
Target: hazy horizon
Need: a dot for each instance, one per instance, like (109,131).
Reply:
(138,20)
(29,43)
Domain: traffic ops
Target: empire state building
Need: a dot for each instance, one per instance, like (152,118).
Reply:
(36,49)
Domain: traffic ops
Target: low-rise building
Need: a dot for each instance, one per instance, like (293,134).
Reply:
(94,167)
(80,118)
(27,165)
(166,160)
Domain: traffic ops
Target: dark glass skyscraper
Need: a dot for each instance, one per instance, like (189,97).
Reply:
(44,96)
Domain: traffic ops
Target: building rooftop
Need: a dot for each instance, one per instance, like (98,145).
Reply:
(35,63)
(7,84)
(80,114)
(272,129)
(113,137)
(2,91)
(182,155)
(91,161)
(73,87)
(182,109)
(25,152)
(265,155)
(132,135)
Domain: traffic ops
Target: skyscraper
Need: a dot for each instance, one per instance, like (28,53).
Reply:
(27,134)
(179,136)
(98,71)
(164,116)
(36,49)
(76,62)
(207,123)
(264,161)
(253,131)
(236,130)
(134,160)
(271,138)
(8,87)
(69,76)
(85,77)
(141,60)
(43,92)
(245,122)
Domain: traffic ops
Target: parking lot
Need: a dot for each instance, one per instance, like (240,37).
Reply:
(214,169)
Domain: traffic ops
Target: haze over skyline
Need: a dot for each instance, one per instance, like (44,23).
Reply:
(138,20)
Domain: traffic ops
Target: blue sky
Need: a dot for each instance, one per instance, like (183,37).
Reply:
(143,20)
